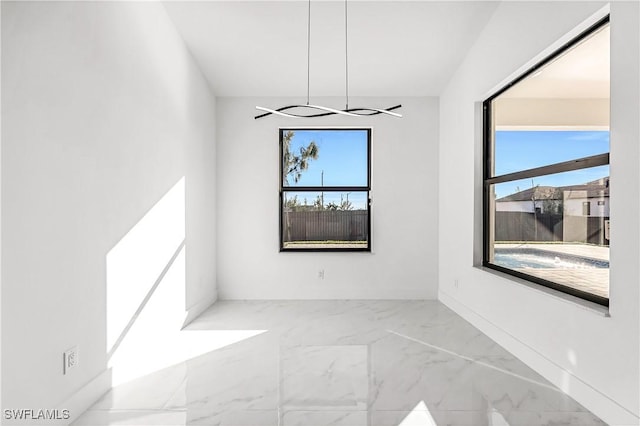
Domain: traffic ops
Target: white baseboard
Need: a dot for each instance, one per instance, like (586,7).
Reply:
(196,310)
(86,396)
(598,403)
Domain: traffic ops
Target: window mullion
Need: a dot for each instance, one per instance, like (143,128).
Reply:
(566,166)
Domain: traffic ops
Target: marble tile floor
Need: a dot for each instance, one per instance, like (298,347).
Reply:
(342,363)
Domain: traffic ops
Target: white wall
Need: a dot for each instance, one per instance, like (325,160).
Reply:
(574,207)
(104,112)
(403,262)
(593,357)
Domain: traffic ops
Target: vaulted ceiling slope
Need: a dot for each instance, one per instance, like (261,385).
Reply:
(396,48)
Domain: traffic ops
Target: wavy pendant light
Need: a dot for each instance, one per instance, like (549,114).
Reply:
(322,111)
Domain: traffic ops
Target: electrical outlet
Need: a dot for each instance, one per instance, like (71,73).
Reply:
(70,359)
(455,283)
(321,274)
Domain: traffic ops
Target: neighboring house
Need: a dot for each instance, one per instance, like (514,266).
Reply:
(589,199)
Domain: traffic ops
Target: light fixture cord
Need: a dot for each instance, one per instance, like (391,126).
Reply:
(346,56)
(308,48)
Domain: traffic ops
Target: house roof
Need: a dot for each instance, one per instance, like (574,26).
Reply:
(595,189)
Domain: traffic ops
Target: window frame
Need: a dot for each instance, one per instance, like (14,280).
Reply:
(284,189)
(488,179)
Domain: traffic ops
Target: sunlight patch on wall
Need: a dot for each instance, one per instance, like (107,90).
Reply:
(146,296)
(139,258)
(155,340)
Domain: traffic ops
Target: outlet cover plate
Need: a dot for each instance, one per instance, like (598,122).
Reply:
(70,359)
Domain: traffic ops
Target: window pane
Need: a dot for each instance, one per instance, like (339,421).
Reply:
(522,150)
(325,220)
(554,227)
(325,157)
(556,113)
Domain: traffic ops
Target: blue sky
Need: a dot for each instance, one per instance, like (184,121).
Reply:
(521,150)
(342,155)
(342,159)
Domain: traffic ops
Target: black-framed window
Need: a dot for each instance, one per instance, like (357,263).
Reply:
(546,171)
(325,185)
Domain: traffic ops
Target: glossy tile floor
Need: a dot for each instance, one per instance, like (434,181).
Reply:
(343,363)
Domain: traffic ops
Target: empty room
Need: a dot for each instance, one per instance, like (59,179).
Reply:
(320,212)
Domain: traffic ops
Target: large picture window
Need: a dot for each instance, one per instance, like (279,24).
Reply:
(325,182)
(546,171)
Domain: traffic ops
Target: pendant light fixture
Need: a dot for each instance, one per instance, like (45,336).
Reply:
(322,111)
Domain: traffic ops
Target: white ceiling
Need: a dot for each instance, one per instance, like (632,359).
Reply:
(581,72)
(396,48)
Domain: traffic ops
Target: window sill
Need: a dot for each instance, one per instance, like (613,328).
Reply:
(325,250)
(558,295)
